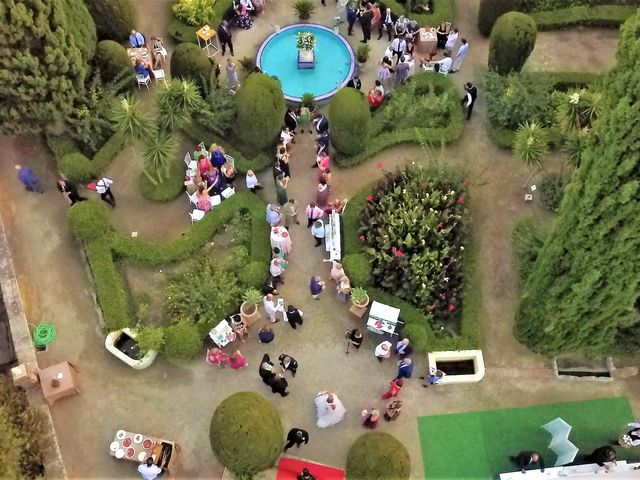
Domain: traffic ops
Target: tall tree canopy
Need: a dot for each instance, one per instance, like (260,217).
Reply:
(44,49)
(585,283)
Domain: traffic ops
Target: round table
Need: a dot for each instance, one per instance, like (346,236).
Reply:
(280,238)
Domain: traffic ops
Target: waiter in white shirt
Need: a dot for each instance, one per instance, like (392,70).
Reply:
(398,47)
(148,470)
(103,187)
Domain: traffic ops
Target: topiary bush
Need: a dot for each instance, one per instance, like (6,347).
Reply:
(552,189)
(527,240)
(378,456)
(491,10)
(512,40)
(246,433)
(111,58)
(81,26)
(114,18)
(76,167)
(350,121)
(89,221)
(252,275)
(189,62)
(260,108)
(182,340)
(358,267)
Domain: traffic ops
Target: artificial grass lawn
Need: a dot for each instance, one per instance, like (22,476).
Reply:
(477,445)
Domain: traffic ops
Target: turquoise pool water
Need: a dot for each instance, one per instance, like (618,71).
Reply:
(334,62)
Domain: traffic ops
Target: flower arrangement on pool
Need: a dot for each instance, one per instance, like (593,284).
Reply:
(305,41)
(413,225)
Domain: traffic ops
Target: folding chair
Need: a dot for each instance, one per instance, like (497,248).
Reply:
(142,80)
(191,164)
(196,215)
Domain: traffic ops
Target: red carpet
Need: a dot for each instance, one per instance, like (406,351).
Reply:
(289,469)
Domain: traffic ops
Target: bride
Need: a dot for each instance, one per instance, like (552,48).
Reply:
(329,409)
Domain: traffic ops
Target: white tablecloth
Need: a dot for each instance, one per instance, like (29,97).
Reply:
(280,238)
(382,318)
(222,334)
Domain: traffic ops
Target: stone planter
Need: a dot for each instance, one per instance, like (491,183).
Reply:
(363,304)
(250,313)
(306,59)
(460,366)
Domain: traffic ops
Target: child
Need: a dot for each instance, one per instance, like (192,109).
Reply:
(236,360)
(435,377)
(393,410)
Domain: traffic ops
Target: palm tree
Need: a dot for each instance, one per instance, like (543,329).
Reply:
(531,144)
(160,149)
(178,100)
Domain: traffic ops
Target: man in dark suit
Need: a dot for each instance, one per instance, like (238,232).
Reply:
(288,363)
(297,437)
(525,459)
(365,22)
(279,385)
(224,37)
(355,83)
(469,99)
(387,22)
(293,316)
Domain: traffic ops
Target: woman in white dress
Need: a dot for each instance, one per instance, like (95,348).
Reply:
(329,409)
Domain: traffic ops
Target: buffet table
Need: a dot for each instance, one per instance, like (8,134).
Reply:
(280,238)
(137,447)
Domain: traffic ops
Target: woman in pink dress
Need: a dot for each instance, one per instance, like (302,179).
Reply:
(323,162)
(204,164)
(236,360)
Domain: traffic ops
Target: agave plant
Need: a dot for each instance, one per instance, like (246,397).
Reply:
(578,109)
(575,144)
(160,149)
(304,9)
(129,118)
(531,144)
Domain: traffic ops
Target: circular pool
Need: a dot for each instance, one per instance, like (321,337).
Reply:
(334,62)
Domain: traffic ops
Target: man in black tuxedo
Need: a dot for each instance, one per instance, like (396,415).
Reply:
(224,37)
(297,437)
(525,459)
(387,22)
(355,82)
(469,99)
(365,22)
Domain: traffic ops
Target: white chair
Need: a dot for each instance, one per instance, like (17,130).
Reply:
(230,159)
(196,215)
(143,80)
(215,200)
(191,164)
(160,75)
(227,192)
(193,198)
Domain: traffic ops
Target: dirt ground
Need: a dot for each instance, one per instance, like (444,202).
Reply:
(176,400)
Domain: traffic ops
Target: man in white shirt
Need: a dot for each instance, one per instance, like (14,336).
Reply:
(398,47)
(460,56)
(317,230)
(383,350)
(445,63)
(148,470)
(276,269)
(103,187)
(270,307)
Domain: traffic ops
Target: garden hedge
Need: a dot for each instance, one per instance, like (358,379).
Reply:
(246,434)
(114,18)
(81,26)
(260,110)
(491,10)
(190,62)
(513,38)
(350,121)
(607,16)
(104,252)
(111,58)
(416,325)
(378,456)
(169,189)
(381,138)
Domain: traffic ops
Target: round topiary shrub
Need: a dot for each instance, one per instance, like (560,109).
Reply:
(111,58)
(491,10)
(189,61)
(260,108)
(253,275)
(378,456)
(246,433)
(358,268)
(76,167)
(89,220)
(114,18)
(182,340)
(350,120)
(512,40)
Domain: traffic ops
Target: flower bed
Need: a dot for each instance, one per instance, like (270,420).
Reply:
(413,226)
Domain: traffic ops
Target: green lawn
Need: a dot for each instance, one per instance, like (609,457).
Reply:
(477,445)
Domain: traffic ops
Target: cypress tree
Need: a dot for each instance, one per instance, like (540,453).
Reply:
(584,284)
(114,18)
(42,69)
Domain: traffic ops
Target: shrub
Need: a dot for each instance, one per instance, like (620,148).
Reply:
(80,25)
(304,9)
(111,58)
(531,143)
(491,10)
(512,40)
(180,31)
(350,121)
(518,98)
(194,12)
(182,340)
(358,267)
(189,62)
(89,221)
(76,167)
(114,18)
(527,241)
(246,433)
(150,338)
(252,275)
(552,190)
(219,113)
(378,456)
(260,107)
(168,189)
(607,16)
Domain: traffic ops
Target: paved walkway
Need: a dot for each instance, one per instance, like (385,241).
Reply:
(176,400)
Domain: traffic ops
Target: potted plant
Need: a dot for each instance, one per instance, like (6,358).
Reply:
(359,297)
(249,308)
(309,101)
(304,9)
(362,52)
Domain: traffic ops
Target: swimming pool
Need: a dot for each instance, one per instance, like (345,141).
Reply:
(334,62)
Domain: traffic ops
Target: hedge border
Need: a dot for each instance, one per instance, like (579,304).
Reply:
(107,253)
(561,81)
(416,325)
(416,135)
(607,16)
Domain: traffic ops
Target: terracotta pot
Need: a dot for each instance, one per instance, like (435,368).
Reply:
(363,304)
(249,312)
